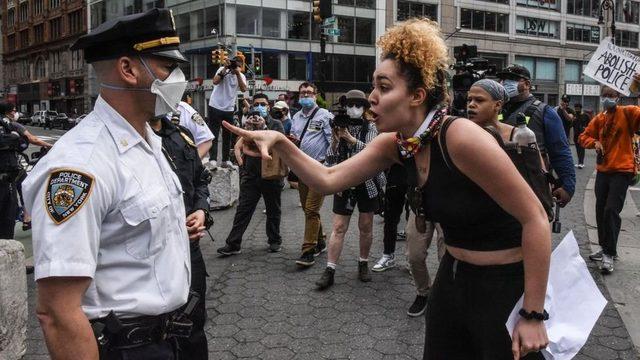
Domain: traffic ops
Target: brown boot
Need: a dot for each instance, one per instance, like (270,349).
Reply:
(363,271)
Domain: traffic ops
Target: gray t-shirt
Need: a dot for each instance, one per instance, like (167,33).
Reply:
(317,139)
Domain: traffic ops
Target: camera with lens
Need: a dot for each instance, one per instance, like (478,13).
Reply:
(469,68)
(340,118)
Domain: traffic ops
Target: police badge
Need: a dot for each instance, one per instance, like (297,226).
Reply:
(67,191)
(198,119)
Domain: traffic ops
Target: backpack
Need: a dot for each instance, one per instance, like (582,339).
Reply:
(527,161)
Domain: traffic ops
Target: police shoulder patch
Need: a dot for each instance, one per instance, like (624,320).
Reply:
(198,119)
(67,191)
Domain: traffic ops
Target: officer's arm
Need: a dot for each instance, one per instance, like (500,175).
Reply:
(201,184)
(558,150)
(67,331)
(203,149)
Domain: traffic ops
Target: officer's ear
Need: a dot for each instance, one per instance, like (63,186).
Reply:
(129,71)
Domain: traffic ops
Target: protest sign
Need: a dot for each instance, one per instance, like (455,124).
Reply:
(613,66)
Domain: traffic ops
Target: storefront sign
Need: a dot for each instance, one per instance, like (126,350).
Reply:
(573,89)
(536,27)
(592,90)
(613,66)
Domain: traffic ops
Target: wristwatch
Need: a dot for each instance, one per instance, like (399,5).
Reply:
(534,315)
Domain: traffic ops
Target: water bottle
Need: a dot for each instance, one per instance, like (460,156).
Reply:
(524,136)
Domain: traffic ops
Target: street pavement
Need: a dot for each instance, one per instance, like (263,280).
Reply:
(261,306)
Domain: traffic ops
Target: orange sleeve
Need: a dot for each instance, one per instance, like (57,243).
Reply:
(591,134)
(633,116)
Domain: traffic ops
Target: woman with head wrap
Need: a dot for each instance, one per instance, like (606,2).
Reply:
(484,103)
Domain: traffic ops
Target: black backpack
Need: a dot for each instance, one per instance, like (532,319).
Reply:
(528,162)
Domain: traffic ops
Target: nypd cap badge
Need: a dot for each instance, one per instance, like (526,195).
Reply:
(67,191)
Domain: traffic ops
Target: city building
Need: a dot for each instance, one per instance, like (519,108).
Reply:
(40,71)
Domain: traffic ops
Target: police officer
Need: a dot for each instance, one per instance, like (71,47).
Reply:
(194,122)
(111,247)
(194,178)
(545,123)
(9,170)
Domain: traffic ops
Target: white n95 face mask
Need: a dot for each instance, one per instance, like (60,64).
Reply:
(168,92)
(355,112)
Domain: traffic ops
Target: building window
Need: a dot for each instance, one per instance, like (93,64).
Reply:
(589,8)
(345,24)
(537,27)
(23,12)
(365,31)
(24,38)
(214,20)
(38,34)
(365,66)
(182,27)
(11,17)
(75,22)
(77,60)
(369,4)
(55,26)
(543,4)
(540,68)
(627,39)
(572,71)
(499,61)
(628,11)
(271,64)
(410,9)
(54,3)
(484,20)
(247,20)
(297,68)
(40,69)
(11,42)
(271,22)
(38,7)
(55,59)
(298,25)
(583,33)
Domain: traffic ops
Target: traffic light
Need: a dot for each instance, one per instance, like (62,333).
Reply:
(321,10)
(224,55)
(216,57)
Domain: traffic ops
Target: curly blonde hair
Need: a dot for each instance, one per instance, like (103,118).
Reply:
(418,43)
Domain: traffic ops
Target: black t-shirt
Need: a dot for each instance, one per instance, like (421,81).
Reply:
(563,113)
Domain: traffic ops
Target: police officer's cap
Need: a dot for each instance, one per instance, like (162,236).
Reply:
(149,33)
(514,72)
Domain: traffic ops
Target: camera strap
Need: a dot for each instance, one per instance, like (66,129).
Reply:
(304,131)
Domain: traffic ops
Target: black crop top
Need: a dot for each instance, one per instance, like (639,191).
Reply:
(469,217)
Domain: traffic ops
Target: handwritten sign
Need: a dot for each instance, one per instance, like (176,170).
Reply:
(613,66)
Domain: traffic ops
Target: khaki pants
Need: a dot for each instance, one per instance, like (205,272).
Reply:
(417,250)
(311,202)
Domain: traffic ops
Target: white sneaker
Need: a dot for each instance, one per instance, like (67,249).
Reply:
(386,262)
(606,267)
(213,163)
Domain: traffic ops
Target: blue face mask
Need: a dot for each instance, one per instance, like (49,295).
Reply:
(512,88)
(307,102)
(262,109)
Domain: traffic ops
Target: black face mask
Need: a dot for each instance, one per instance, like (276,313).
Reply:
(276,114)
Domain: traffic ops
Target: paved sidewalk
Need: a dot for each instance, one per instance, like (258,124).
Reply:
(261,306)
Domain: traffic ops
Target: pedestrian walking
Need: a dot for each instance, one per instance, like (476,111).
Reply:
(182,151)
(498,242)
(351,134)
(227,81)
(544,121)
(610,133)
(111,248)
(253,186)
(311,131)
(581,123)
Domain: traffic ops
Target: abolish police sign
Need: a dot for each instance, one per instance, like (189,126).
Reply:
(613,66)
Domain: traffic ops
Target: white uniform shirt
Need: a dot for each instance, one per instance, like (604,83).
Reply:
(224,95)
(192,120)
(106,205)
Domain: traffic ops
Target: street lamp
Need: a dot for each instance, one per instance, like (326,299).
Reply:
(605,6)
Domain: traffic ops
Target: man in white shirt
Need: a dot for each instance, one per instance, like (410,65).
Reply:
(227,81)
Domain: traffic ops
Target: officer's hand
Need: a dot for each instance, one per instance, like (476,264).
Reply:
(264,139)
(195,225)
(562,196)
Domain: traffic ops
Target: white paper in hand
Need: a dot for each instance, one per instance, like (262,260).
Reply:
(573,301)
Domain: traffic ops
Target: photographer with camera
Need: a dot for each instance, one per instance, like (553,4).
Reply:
(351,133)
(252,185)
(227,81)
(545,123)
